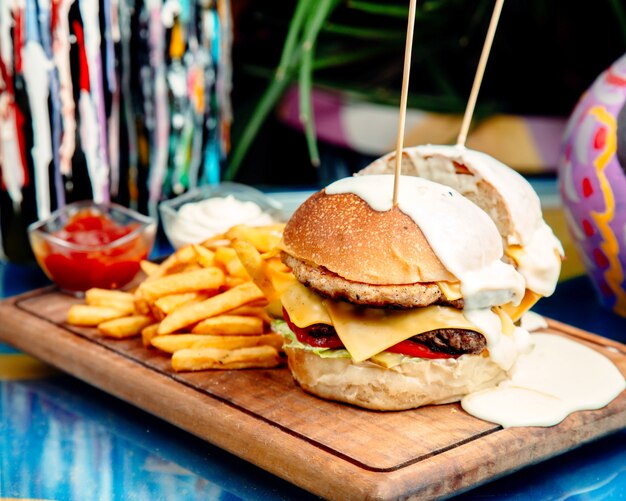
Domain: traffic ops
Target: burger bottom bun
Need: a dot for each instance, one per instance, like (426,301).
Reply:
(405,386)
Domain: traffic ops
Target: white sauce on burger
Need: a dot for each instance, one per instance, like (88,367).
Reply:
(557,377)
(539,262)
(503,349)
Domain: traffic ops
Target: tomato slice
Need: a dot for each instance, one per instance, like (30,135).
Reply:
(317,341)
(408,348)
(413,349)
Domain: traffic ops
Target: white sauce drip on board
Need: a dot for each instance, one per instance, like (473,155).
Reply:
(557,377)
(197,221)
(462,236)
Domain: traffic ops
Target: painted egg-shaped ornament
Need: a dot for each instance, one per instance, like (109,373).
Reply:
(592,182)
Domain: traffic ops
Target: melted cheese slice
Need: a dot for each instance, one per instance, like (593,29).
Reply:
(304,306)
(368,331)
(515,252)
(452,290)
(516,312)
(507,322)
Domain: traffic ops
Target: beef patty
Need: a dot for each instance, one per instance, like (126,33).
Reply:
(448,341)
(331,285)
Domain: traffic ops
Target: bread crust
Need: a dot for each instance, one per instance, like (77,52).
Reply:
(406,386)
(345,235)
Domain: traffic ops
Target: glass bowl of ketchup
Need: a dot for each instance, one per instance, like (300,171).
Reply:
(85,245)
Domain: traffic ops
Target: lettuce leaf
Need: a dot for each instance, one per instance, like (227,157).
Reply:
(281,327)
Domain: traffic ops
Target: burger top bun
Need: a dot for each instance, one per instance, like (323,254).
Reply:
(344,235)
(501,192)
(405,386)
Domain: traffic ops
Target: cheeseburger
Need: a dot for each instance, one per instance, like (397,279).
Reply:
(397,307)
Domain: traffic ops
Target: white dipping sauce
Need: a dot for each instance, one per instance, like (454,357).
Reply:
(197,221)
(557,377)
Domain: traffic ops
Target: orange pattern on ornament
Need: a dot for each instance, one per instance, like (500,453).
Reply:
(614,274)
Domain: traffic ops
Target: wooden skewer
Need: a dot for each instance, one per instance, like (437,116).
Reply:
(403,98)
(480,71)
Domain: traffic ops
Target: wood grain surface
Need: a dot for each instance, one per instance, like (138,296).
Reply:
(333,450)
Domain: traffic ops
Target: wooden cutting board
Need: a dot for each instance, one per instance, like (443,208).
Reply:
(333,450)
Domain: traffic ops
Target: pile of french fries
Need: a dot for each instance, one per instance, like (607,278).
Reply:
(209,305)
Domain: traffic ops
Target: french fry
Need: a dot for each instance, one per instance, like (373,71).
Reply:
(273,253)
(167,304)
(148,267)
(279,274)
(235,342)
(123,301)
(125,327)
(191,313)
(261,274)
(148,333)
(96,297)
(186,255)
(263,238)
(83,314)
(215,241)
(163,268)
(229,325)
(142,306)
(171,343)
(125,307)
(187,268)
(205,257)
(251,260)
(174,263)
(250,310)
(230,281)
(195,359)
(227,258)
(190,281)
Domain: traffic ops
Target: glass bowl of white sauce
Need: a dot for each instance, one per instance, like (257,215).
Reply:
(210,210)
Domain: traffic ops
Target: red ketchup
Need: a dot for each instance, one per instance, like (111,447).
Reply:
(98,255)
